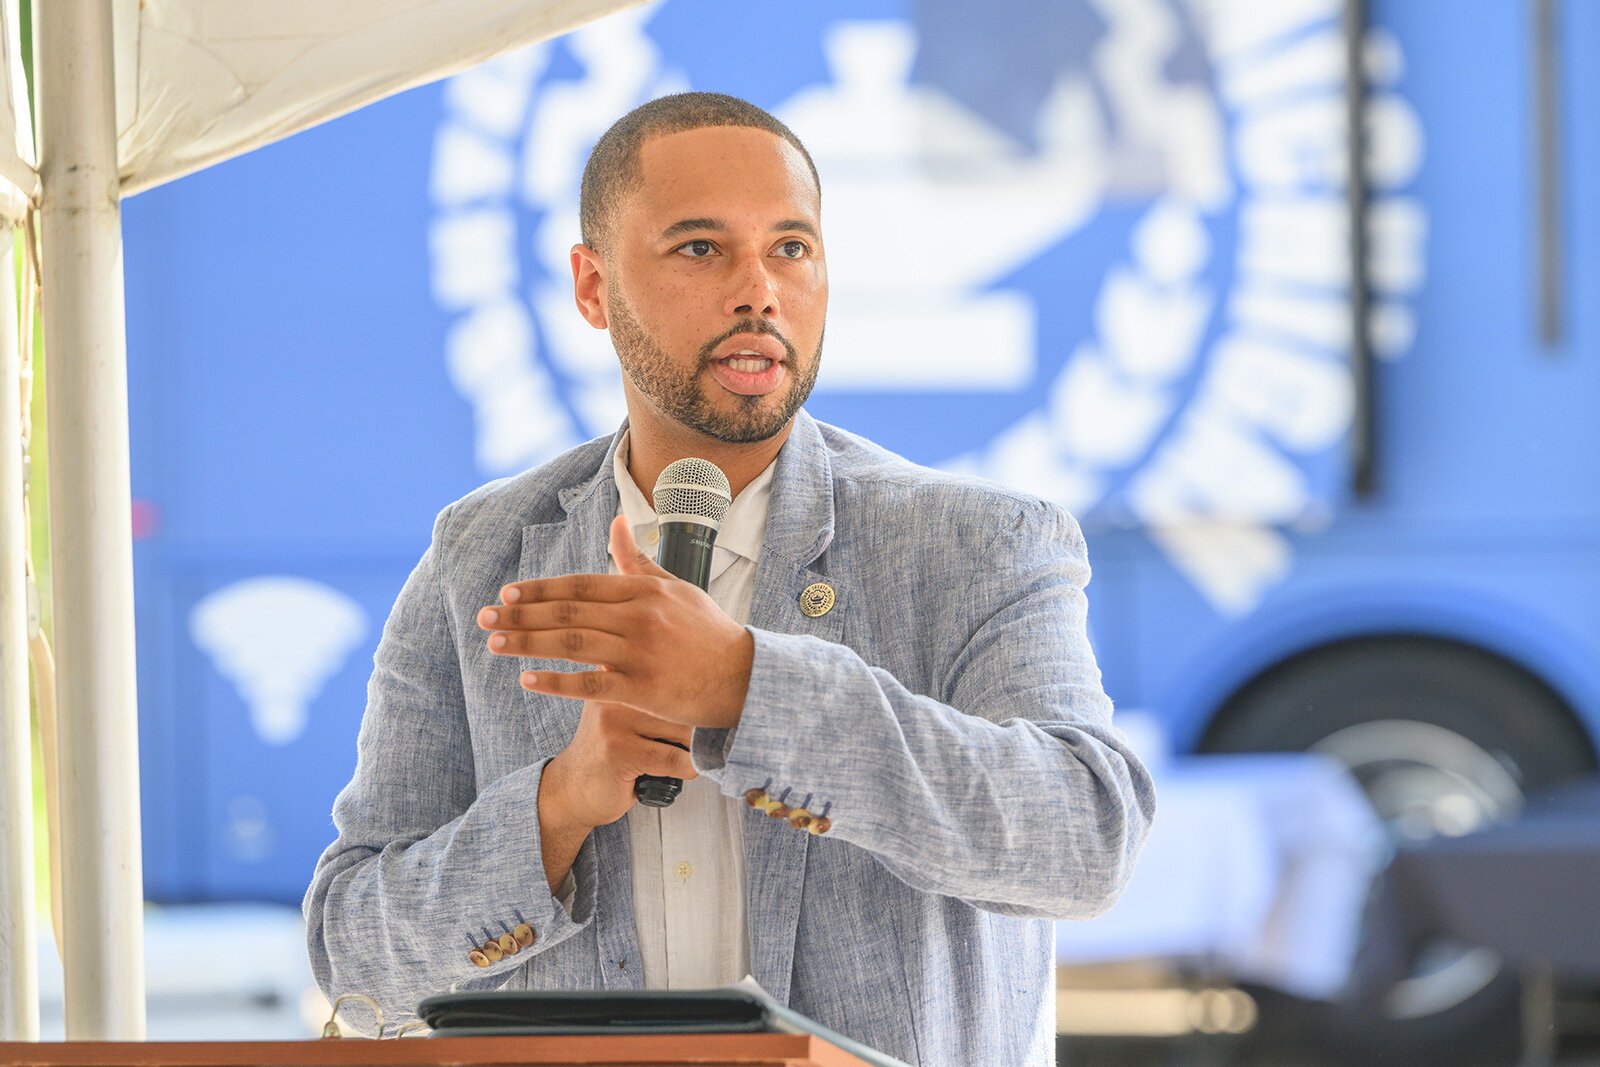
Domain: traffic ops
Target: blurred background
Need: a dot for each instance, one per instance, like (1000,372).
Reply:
(1333,445)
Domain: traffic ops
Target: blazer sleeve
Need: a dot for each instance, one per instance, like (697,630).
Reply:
(426,865)
(1009,788)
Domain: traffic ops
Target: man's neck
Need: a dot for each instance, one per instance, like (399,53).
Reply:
(651,450)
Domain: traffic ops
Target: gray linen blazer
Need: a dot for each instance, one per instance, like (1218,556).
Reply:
(947,712)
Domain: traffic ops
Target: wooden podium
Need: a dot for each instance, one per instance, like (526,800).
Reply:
(652,1050)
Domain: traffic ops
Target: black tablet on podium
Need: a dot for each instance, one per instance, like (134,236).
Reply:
(505,1012)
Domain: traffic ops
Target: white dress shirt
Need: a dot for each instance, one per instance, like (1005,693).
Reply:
(688,858)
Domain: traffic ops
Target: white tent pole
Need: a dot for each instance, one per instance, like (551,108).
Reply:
(90,522)
(19,961)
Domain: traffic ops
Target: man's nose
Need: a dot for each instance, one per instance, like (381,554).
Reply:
(751,290)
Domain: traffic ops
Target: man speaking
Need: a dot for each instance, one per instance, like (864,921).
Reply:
(898,761)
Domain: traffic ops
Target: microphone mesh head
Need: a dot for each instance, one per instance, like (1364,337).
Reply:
(693,490)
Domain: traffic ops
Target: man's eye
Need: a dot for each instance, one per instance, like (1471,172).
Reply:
(696,249)
(793,250)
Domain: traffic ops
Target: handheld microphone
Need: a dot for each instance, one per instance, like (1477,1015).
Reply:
(692,497)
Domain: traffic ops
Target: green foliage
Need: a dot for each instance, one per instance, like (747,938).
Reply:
(39,553)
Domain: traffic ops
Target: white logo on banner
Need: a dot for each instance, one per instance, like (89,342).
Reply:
(278,640)
(1188,432)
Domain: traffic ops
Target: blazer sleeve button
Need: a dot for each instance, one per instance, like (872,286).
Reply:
(508,944)
(523,933)
(821,826)
(755,797)
(800,818)
(478,958)
(779,810)
(492,950)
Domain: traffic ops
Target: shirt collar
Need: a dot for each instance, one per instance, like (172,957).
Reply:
(743,530)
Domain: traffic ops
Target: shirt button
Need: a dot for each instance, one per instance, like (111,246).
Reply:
(683,870)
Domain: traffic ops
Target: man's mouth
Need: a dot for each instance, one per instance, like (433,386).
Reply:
(747,361)
(749,371)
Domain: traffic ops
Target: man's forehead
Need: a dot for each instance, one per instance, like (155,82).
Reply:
(714,165)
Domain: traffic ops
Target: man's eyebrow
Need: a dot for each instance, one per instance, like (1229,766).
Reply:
(798,226)
(687,226)
(683,226)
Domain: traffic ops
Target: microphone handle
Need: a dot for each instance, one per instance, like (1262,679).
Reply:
(658,790)
(685,551)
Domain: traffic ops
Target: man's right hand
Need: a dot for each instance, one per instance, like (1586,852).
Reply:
(590,783)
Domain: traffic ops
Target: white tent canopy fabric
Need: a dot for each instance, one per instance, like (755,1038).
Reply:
(177,85)
(199,82)
(210,81)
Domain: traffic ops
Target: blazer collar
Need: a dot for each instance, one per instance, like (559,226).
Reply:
(800,519)
(589,492)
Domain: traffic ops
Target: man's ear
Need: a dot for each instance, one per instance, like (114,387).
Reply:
(589,285)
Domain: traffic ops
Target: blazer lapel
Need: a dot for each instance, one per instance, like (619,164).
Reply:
(800,526)
(578,545)
(574,545)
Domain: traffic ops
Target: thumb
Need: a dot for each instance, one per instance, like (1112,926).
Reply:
(625,550)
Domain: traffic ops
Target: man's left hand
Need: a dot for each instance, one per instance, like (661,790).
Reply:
(662,644)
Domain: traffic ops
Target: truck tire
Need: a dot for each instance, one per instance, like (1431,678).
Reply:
(1442,737)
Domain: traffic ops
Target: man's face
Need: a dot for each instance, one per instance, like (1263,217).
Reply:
(716,287)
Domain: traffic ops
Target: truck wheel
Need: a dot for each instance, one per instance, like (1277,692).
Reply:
(1443,737)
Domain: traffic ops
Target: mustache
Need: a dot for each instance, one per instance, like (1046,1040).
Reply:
(747,326)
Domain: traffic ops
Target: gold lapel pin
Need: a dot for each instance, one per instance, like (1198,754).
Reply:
(817,600)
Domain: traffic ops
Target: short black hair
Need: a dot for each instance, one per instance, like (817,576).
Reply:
(613,169)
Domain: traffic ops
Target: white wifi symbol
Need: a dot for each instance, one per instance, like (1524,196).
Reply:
(278,639)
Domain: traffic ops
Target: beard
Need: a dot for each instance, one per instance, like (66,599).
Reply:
(687,400)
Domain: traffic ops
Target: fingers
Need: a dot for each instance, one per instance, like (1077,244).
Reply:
(604,686)
(625,550)
(642,742)
(560,614)
(576,685)
(653,633)
(595,588)
(669,762)
(577,644)
(659,758)
(640,723)
(613,688)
